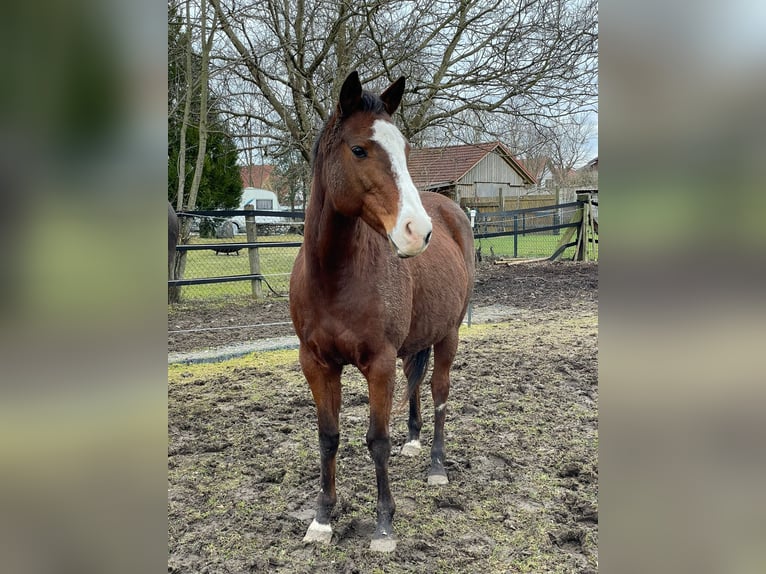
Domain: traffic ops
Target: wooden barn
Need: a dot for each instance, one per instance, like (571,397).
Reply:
(482,176)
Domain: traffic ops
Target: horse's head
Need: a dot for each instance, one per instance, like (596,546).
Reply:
(366,167)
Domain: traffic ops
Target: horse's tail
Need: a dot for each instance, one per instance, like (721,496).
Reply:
(415,367)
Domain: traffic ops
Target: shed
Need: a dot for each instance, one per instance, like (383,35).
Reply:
(484,176)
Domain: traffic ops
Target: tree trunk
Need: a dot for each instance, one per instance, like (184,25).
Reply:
(174,293)
(202,148)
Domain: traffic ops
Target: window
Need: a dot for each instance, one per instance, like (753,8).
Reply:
(266,204)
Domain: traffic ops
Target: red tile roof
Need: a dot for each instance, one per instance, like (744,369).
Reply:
(433,166)
(256,176)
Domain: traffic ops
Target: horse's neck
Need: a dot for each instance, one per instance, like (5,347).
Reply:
(333,242)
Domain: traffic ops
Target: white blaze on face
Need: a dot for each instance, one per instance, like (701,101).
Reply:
(412,229)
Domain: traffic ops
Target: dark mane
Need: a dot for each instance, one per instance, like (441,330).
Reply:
(369,103)
(372,103)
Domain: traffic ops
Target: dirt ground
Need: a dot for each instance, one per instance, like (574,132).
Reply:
(521,445)
(500,291)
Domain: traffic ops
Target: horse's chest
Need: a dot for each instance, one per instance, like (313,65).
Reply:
(365,313)
(350,326)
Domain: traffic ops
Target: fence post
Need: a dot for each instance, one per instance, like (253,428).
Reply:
(581,250)
(252,252)
(515,235)
(565,238)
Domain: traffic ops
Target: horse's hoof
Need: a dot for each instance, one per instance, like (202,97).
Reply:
(383,544)
(318,533)
(437,479)
(411,448)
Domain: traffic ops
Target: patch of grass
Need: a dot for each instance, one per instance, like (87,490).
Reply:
(190,374)
(276,263)
(528,246)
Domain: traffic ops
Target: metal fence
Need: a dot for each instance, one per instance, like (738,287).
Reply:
(259,261)
(254,261)
(534,232)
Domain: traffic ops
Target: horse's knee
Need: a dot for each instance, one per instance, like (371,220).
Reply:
(380,448)
(328,443)
(440,393)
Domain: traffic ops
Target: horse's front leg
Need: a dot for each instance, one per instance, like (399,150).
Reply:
(324,380)
(380,375)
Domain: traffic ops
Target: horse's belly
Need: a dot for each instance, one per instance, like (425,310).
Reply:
(441,286)
(424,336)
(428,330)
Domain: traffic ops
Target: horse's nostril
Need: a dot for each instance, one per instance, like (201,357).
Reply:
(428,238)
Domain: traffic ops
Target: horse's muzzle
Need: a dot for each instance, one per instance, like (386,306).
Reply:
(404,254)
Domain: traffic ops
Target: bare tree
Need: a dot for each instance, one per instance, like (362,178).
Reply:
(467,63)
(204,78)
(566,146)
(189,200)
(188,96)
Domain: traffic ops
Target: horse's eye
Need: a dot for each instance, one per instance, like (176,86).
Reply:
(358,151)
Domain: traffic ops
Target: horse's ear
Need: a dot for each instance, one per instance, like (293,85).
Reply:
(392,97)
(350,94)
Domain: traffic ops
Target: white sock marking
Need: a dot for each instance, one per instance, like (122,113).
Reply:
(437,479)
(411,448)
(318,533)
(317,527)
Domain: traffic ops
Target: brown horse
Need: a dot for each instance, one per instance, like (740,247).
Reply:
(364,288)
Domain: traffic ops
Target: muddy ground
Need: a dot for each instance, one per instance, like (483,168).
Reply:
(521,446)
(500,292)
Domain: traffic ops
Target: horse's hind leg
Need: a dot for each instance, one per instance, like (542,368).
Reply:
(444,354)
(324,380)
(415,367)
(414,424)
